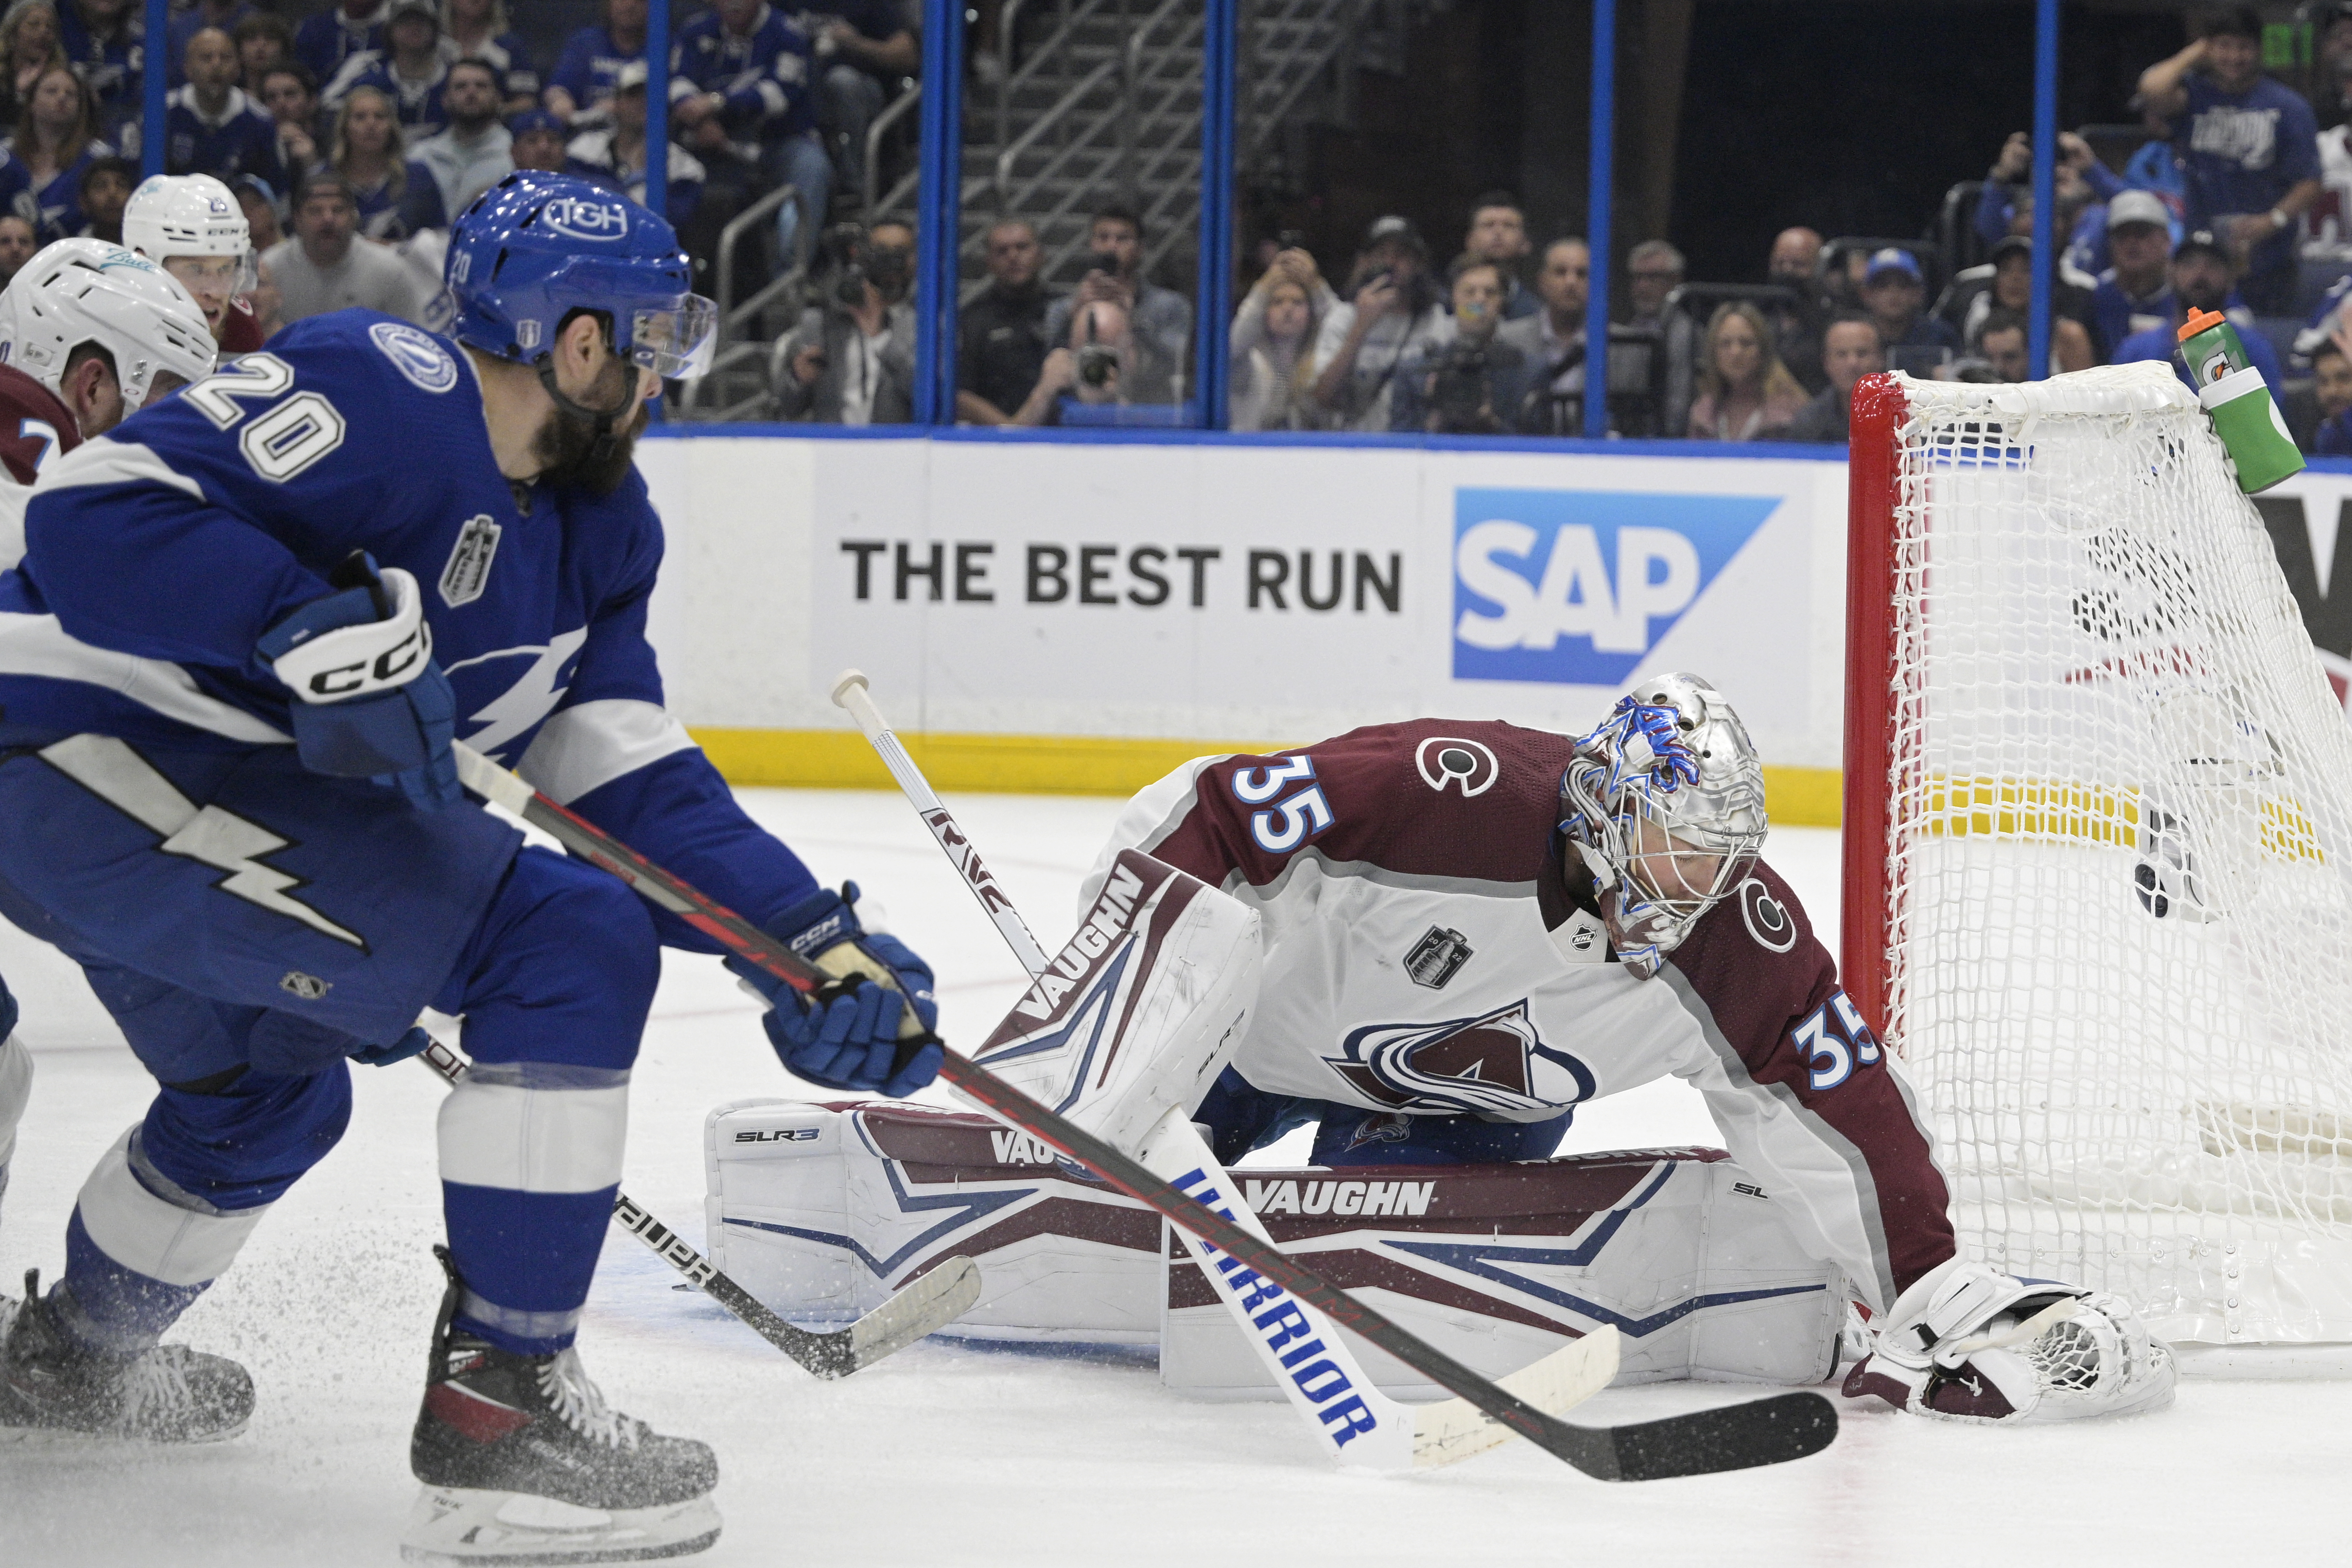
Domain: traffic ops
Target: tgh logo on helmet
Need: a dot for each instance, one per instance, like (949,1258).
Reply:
(577,217)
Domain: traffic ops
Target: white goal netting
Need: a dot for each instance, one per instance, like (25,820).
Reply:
(2119,859)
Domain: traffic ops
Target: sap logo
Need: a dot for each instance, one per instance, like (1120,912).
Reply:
(1021,1149)
(1365,1198)
(1575,588)
(781,1135)
(578,217)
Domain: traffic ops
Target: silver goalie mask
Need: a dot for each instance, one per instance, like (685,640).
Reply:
(1664,801)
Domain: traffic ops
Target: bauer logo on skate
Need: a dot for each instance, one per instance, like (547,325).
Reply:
(1576,587)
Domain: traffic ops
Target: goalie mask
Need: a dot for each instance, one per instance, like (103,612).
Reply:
(1664,801)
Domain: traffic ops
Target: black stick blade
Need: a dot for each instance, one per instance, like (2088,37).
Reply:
(1733,1437)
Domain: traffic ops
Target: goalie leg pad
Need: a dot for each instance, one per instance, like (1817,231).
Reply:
(1967,1343)
(1140,1012)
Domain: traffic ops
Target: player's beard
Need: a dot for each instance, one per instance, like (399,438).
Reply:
(566,447)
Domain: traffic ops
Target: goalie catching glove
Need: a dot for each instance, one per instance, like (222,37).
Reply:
(1969,1343)
(848,1036)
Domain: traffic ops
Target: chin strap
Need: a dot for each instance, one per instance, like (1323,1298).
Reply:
(606,441)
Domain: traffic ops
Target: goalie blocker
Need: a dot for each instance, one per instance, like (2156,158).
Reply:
(823,1210)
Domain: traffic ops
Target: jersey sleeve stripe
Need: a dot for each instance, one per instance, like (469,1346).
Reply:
(582,748)
(38,646)
(110,462)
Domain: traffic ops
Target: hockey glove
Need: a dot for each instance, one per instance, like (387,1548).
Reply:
(846,1034)
(1965,1342)
(369,701)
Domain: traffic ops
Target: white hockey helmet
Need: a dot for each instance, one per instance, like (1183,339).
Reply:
(189,214)
(80,291)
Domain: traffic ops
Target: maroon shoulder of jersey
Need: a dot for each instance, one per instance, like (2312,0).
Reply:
(1459,799)
(240,331)
(1769,992)
(33,423)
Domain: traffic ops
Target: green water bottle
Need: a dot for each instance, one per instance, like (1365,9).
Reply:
(2238,402)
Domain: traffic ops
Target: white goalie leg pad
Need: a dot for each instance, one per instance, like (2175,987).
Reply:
(16,1089)
(1966,1342)
(458,1527)
(1140,1012)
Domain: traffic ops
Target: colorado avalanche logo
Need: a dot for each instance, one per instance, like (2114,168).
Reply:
(1496,1063)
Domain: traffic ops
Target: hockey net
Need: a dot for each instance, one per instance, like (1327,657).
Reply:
(2099,848)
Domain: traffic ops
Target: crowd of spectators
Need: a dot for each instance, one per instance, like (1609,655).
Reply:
(354,135)
(2236,200)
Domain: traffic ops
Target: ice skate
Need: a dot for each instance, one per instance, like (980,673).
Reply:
(523,1461)
(168,1393)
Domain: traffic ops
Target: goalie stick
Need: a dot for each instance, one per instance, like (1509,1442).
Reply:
(1762,1432)
(927,1305)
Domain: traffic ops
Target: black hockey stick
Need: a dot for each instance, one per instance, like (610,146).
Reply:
(927,1305)
(1763,1432)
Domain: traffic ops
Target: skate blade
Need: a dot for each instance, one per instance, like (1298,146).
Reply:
(459,1527)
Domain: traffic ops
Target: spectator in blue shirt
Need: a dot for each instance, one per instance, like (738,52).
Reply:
(2136,293)
(2084,187)
(582,81)
(210,126)
(264,43)
(615,158)
(411,69)
(1894,292)
(186,24)
(539,141)
(323,42)
(105,41)
(2251,146)
(2202,274)
(2331,387)
(56,139)
(479,30)
(739,83)
(862,48)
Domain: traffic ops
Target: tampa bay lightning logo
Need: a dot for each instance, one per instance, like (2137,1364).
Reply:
(426,365)
(1493,1063)
(582,217)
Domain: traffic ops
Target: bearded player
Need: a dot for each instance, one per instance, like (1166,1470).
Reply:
(1471,928)
(247,627)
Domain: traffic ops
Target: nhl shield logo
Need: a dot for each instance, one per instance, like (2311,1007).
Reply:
(469,570)
(309,987)
(1436,958)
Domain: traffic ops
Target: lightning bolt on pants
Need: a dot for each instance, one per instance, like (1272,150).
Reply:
(248,925)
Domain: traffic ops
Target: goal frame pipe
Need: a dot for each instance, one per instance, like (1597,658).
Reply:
(1864,918)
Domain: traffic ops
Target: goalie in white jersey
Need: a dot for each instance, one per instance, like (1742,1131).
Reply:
(1471,928)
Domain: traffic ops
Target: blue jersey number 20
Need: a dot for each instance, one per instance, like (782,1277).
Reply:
(284,439)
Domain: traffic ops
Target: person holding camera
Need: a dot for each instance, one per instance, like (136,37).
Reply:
(1272,333)
(1390,312)
(1473,383)
(1158,318)
(851,360)
(1101,375)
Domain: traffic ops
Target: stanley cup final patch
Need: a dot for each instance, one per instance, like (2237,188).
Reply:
(1436,958)
(469,570)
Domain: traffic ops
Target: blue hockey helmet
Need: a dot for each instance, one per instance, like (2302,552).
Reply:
(536,247)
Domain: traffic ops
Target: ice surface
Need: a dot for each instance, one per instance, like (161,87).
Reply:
(953,1455)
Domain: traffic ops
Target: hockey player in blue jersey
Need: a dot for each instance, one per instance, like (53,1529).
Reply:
(247,626)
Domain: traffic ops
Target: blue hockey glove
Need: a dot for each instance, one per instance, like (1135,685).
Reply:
(416,1042)
(369,701)
(846,1036)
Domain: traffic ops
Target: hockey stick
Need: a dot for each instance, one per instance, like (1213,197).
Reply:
(927,1305)
(1764,1431)
(1436,1434)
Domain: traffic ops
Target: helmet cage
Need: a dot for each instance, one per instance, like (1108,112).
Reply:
(1645,795)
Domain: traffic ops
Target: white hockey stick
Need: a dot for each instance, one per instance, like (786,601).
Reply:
(1296,1341)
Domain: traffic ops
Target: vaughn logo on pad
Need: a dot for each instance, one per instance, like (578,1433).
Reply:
(1575,588)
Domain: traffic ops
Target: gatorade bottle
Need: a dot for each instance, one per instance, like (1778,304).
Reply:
(2238,402)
